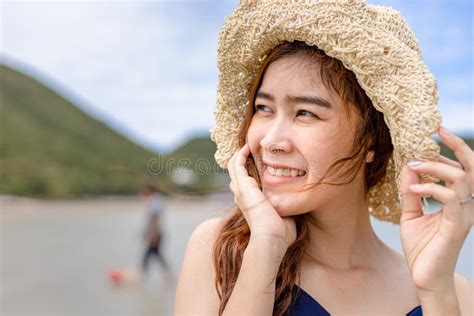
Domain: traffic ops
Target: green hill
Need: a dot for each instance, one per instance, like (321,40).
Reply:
(445,151)
(196,156)
(49,147)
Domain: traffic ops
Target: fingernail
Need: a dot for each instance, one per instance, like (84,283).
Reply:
(415,187)
(414,163)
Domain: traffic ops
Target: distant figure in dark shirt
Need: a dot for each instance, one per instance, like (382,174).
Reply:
(153,232)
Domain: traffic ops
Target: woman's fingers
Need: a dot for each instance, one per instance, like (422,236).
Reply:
(240,161)
(457,175)
(450,162)
(411,200)
(230,168)
(446,196)
(461,150)
(260,215)
(439,192)
(238,173)
(457,178)
(232,186)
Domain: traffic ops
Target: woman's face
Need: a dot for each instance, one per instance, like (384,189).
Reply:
(299,128)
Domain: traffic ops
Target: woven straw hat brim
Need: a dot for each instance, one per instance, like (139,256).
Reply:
(372,41)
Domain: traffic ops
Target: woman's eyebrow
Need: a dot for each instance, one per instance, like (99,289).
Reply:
(314,100)
(264,95)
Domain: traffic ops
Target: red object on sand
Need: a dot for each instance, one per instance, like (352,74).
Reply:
(115,275)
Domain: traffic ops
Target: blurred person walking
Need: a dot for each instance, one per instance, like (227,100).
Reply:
(153,228)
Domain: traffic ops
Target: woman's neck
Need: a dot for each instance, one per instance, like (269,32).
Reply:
(342,236)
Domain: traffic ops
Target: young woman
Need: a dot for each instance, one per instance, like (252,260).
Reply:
(325,115)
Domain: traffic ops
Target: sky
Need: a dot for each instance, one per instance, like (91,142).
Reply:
(148,68)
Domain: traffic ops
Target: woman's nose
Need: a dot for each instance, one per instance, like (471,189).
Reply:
(277,139)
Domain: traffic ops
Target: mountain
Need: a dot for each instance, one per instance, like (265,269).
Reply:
(193,168)
(49,147)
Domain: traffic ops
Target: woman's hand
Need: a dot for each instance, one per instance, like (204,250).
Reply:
(263,220)
(432,242)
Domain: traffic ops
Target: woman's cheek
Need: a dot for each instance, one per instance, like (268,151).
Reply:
(251,135)
(254,136)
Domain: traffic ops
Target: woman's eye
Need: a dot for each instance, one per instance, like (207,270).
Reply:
(263,108)
(306,113)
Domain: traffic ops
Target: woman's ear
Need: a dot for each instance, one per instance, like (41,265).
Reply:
(369,157)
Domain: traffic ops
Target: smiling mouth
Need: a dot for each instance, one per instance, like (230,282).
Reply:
(283,172)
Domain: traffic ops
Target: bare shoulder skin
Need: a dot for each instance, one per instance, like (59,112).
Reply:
(465,294)
(196,293)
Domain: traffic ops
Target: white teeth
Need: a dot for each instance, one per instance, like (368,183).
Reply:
(284,172)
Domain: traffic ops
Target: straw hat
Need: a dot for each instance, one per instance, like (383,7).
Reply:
(372,41)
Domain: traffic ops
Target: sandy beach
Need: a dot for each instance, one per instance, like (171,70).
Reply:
(55,254)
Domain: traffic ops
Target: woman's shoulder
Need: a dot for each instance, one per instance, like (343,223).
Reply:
(463,286)
(202,239)
(201,242)
(207,230)
(465,294)
(196,292)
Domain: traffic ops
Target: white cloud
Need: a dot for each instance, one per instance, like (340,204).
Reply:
(151,66)
(458,117)
(126,58)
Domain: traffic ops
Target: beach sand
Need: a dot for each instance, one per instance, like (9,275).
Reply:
(55,254)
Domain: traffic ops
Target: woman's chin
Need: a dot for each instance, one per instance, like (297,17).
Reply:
(287,204)
(281,203)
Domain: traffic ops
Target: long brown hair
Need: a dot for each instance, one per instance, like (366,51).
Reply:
(371,134)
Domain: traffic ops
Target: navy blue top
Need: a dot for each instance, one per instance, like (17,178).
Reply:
(305,305)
